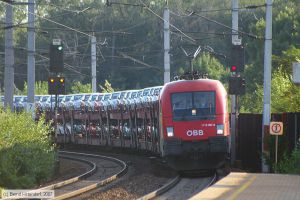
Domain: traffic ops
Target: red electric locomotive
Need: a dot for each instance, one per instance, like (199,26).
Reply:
(194,124)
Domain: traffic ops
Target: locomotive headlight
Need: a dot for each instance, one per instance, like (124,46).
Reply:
(220,129)
(170,131)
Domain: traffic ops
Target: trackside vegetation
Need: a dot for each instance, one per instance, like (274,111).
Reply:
(27,157)
(290,164)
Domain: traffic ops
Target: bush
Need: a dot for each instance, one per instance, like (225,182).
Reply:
(27,156)
(290,164)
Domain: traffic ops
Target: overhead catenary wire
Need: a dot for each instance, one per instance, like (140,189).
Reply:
(147,7)
(65,13)
(70,67)
(72,29)
(223,9)
(140,62)
(130,46)
(68,10)
(108,3)
(52,21)
(45,51)
(223,25)
(57,23)
(206,33)
(121,31)
(144,5)
(131,27)
(14,25)
(173,26)
(66,29)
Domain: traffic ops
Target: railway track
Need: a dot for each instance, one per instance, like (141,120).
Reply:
(181,188)
(103,170)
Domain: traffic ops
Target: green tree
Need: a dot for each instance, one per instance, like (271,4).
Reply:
(41,87)
(286,60)
(285,96)
(78,87)
(285,33)
(207,64)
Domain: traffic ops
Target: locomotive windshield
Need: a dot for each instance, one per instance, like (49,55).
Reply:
(188,106)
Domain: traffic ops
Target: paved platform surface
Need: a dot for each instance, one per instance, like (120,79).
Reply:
(247,186)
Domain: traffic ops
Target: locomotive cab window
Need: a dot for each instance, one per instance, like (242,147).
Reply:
(193,106)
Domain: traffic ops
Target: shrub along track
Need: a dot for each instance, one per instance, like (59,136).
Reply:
(103,171)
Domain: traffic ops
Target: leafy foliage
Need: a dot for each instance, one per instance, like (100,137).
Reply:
(286,60)
(207,64)
(41,87)
(290,163)
(78,87)
(26,155)
(284,93)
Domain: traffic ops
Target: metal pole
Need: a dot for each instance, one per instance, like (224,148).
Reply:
(296,128)
(166,45)
(93,60)
(267,78)
(113,55)
(9,60)
(31,59)
(235,20)
(276,152)
(234,38)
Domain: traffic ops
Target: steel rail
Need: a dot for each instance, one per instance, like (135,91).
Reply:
(74,179)
(99,183)
(161,190)
(172,183)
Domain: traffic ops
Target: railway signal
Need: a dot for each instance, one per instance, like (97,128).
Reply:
(56,54)
(56,85)
(237,58)
(237,85)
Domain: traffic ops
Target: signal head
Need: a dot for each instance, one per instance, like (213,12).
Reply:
(56,58)
(237,58)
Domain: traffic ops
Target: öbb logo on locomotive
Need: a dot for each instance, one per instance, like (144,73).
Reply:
(194,132)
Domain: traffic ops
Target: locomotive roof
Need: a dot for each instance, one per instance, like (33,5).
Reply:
(194,85)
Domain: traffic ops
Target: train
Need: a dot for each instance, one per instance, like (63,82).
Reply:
(186,122)
(194,124)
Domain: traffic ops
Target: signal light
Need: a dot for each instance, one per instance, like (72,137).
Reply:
(56,85)
(237,58)
(56,55)
(233,68)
